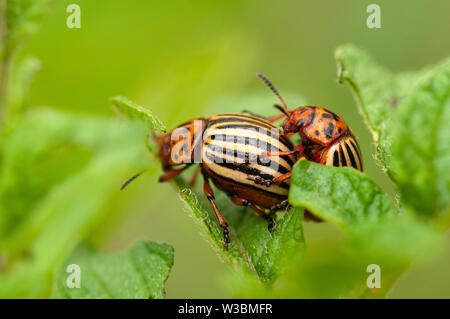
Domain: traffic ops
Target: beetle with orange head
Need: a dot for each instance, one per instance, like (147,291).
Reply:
(325,137)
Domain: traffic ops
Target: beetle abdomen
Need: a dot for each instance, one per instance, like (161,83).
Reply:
(231,155)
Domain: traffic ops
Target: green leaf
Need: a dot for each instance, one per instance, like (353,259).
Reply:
(339,270)
(63,144)
(421,152)
(394,242)
(137,112)
(42,216)
(252,247)
(377,93)
(376,233)
(141,115)
(136,273)
(342,195)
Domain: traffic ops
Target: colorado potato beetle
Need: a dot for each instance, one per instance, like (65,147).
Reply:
(325,137)
(230,149)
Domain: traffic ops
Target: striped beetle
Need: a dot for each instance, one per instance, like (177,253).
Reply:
(325,137)
(228,148)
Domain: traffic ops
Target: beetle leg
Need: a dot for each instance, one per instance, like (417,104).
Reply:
(222,222)
(271,220)
(268,217)
(258,180)
(245,202)
(279,153)
(278,180)
(298,149)
(274,118)
(171,174)
(283,205)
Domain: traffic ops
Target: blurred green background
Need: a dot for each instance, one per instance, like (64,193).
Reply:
(178,58)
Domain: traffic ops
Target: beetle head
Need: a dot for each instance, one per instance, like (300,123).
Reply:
(164,149)
(298,119)
(182,145)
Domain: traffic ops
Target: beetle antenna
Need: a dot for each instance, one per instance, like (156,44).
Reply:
(281,109)
(270,85)
(132,178)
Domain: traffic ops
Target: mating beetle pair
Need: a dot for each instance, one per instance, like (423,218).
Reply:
(250,159)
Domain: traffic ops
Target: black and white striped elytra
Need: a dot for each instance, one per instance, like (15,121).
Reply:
(344,152)
(232,150)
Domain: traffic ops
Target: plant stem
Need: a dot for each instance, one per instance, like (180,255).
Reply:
(4,59)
